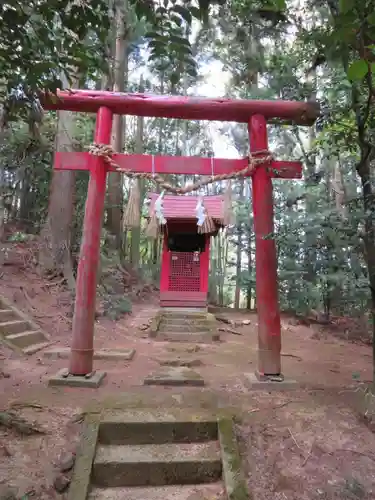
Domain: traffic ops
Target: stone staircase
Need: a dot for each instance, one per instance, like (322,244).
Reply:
(187,327)
(154,455)
(18,331)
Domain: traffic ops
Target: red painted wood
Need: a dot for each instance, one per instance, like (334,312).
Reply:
(190,108)
(183,303)
(168,295)
(183,299)
(81,359)
(184,272)
(187,165)
(269,329)
(164,269)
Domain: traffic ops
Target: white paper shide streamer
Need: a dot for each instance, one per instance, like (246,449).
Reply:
(201,212)
(158,207)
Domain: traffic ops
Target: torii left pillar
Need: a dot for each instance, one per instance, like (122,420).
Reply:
(80,372)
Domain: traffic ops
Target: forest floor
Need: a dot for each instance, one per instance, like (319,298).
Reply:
(305,444)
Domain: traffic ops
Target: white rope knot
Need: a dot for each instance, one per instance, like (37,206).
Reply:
(104,150)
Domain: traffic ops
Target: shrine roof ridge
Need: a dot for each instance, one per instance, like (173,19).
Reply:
(183,207)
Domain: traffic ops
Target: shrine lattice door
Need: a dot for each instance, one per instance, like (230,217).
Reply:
(184,281)
(184,272)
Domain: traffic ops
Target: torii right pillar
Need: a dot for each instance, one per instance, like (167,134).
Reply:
(269,327)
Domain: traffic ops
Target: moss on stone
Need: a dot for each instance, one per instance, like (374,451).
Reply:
(80,484)
(234,480)
(211,321)
(147,397)
(155,323)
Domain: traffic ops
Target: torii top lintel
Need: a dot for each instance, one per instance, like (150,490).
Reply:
(190,108)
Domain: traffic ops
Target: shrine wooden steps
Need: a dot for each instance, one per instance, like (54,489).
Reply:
(187,327)
(18,331)
(156,455)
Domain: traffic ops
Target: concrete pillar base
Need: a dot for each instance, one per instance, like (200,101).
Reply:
(264,383)
(64,378)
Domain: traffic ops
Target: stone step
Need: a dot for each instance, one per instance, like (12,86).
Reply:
(157,465)
(104,354)
(15,326)
(174,376)
(7,315)
(184,321)
(171,327)
(32,349)
(156,427)
(180,492)
(26,338)
(195,337)
(178,317)
(192,324)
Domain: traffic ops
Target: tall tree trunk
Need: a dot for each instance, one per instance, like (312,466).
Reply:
(249,288)
(115,193)
(157,245)
(2,196)
(310,206)
(237,294)
(213,274)
(136,231)
(54,255)
(369,236)
(220,267)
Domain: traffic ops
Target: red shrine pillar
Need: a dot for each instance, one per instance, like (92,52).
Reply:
(82,350)
(269,328)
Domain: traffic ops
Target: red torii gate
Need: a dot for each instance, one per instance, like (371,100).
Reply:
(255,114)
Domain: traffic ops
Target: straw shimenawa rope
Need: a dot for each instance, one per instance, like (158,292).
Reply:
(132,215)
(105,151)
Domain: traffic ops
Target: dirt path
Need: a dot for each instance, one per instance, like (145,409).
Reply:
(306,444)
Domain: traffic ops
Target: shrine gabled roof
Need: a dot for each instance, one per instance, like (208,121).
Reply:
(183,207)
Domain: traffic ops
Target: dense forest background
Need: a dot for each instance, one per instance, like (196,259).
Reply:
(318,50)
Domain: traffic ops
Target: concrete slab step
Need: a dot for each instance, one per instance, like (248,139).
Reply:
(194,337)
(103,354)
(157,465)
(13,327)
(180,492)
(156,427)
(7,315)
(26,338)
(175,376)
(18,330)
(32,349)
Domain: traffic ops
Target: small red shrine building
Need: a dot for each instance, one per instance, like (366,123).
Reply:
(186,253)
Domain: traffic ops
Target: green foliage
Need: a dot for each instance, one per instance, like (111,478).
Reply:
(358,70)
(40,40)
